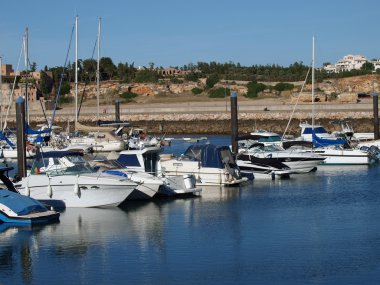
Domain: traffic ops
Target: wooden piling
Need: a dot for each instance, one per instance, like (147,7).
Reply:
(21,137)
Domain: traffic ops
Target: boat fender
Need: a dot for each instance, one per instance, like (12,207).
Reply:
(49,189)
(27,189)
(76,187)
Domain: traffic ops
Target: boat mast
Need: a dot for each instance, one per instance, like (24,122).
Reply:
(312,85)
(76,70)
(1,93)
(26,74)
(97,69)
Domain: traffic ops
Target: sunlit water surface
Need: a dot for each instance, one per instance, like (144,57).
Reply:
(318,228)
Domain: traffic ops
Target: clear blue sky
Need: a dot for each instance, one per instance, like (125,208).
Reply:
(177,32)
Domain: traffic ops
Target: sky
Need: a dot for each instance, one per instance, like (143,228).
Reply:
(179,32)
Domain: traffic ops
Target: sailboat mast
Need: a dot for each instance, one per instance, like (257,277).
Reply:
(76,70)
(26,56)
(312,85)
(1,93)
(97,69)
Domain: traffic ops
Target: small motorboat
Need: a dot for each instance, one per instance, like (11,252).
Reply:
(19,209)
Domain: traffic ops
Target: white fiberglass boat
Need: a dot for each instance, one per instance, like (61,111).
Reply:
(147,160)
(64,179)
(210,164)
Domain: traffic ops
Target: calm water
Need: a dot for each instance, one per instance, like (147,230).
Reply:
(319,228)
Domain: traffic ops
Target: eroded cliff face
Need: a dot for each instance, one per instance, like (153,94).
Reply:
(355,84)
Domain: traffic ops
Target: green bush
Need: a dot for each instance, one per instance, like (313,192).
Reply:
(254,88)
(65,99)
(128,95)
(219,93)
(191,77)
(212,80)
(196,91)
(282,86)
(176,80)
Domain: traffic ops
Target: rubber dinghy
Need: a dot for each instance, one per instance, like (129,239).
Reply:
(19,209)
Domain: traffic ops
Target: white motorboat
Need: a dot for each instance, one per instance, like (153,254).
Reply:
(148,184)
(273,159)
(147,160)
(335,151)
(210,164)
(64,179)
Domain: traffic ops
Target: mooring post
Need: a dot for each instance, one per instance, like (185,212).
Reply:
(21,137)
(376,115)
(117,110)
(234,122)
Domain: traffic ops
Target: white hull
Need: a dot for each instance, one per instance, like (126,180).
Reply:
(148,187)
(100,146)
(12,153)
(203,175)
(303,166)
(94,190)
(344,157)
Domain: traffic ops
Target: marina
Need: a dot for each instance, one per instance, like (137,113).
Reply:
(318,227)
(192,143)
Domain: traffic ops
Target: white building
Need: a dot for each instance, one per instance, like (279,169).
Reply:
(350,62)
(347,63)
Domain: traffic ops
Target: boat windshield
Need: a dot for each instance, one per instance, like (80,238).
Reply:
(69,165)
(274,138)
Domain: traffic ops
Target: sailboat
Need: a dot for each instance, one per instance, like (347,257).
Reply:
(101,139)
(335,150)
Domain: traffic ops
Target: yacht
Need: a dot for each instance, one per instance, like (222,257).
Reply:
(270,158)
(210,164)
(65,179)
(147,160)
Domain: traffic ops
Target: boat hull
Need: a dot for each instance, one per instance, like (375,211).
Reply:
(73,191)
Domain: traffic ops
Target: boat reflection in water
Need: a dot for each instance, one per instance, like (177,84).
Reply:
(104,240)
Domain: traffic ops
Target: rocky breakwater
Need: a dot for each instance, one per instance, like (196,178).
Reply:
(220,123)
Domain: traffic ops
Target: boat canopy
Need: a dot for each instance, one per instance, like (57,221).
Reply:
(316,130)
(21,205)
(321,142)
(209,155)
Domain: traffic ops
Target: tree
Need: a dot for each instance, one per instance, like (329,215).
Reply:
(146,75)
(33,67)
(254,88)
(89,69)
(107,68)
(46,84)
(212,80)
(367,66)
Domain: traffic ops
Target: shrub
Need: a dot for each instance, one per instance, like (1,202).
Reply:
(212,80)
(254,88)
(176,80)
(196,91)
(282,86)
(128,95)
(219,93)
(191,77)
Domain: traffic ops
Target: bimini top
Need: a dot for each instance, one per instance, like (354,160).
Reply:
(57,153)
(208,154)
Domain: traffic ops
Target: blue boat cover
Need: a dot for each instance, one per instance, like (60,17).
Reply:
(30,131)
(116,172)
(320,142)
(20,204)
(208,154)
